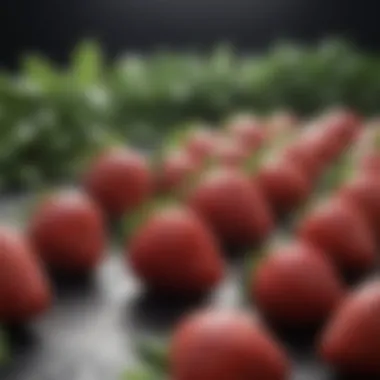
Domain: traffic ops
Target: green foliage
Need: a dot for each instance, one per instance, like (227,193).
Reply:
(51,117)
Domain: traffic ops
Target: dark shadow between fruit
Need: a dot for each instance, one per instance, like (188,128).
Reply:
(157,313)
(296,339)
(76,286)
(338,376)
(22,344)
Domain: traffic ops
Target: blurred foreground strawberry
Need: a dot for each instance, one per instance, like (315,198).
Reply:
(351,340)
(24,288)
(232,206)
(339,229)
(174,252)
(364,191)
(68,233)
(296,286)
(225,345)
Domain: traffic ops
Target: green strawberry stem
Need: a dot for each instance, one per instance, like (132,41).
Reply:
(154,354)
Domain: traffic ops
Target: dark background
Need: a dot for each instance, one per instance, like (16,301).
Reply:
(54,26)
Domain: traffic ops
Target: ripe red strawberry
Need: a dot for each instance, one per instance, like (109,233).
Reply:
(338,130)
(201,143)
(24,288)
(248,132)
(344,125)
(284,184)
(339,229)
(305,153)
(173,251)
(232,206)
(68,232)
(296,286)
(225,345)
(176,169)
(282,122)
(230,152)
(364,191)
(119,181)
(351,340)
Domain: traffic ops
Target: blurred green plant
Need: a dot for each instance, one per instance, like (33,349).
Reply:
(51,117)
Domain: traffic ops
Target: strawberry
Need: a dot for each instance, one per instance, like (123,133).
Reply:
(304,152)
(230,152)
(284,184)
(282,122)
(232,206)
(24,288)
(68,232)
(364,191)
(296,285)
(119,181)
(225,345)
(176,169)
(351,340)
(201,143)
(173,251)
(248,132)
(339,229)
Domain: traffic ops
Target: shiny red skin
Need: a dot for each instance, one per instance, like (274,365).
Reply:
(284,185)
(119,181)
(364,191)
(225,345)
(68,232)
(174,252)
(350,342)
(340,230)
(249,133)
(201,144)
(296,286)
(176,169)
(233,206)
(25,291)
